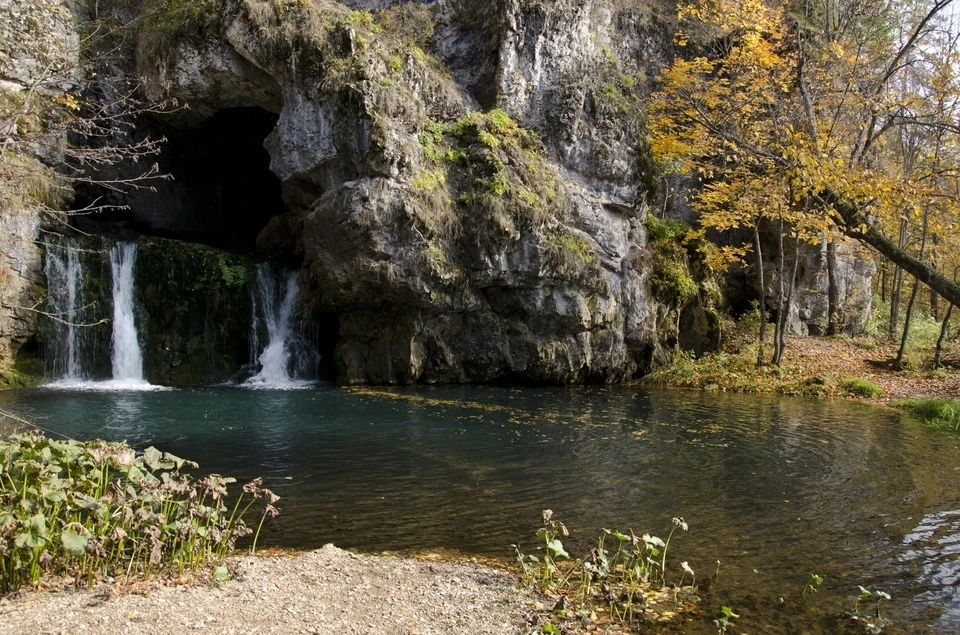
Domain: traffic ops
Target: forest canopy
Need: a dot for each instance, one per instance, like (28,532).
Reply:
(821,119)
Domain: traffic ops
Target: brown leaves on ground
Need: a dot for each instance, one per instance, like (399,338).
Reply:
(827,357)
(812,366)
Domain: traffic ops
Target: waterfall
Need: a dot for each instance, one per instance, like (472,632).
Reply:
(127,358)
(64,280)
(285,358)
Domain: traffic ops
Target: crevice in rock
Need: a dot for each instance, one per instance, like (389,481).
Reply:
(326,336)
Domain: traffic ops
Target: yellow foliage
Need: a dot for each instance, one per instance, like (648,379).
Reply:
(773,115)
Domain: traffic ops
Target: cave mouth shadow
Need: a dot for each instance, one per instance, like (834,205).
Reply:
(219,191)
(226,192)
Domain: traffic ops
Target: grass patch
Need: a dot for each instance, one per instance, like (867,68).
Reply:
(937,412)
(97,509)
(861,387)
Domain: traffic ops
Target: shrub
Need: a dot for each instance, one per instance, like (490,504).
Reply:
(624,571)
(861,387)
(94,509)
(670,277)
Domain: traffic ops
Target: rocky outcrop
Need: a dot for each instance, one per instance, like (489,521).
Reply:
(38,50)
(854,274)
(454,242)
(21,279)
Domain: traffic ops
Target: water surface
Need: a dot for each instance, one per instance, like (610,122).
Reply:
(774,488)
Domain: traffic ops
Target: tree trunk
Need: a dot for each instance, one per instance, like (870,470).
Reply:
(855,224)
(883,281)
(780,295)
(897,290)
(913,294)
(763,292)
(833,292)
(934,296)
(938,351)
(781,343)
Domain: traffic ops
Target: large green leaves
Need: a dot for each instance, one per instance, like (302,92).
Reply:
(74,542)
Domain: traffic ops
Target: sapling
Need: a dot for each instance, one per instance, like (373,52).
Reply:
(726,614)
(813,584)
(881,595)
(864,593)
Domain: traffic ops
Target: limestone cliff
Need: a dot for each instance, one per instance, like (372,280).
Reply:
(463,185)
(38,49)
(466,188)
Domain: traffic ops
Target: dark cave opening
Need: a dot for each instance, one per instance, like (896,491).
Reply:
(222,170)
(220,189)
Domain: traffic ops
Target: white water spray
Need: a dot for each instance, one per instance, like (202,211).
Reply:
(127,358)
(276,308)
(64,277)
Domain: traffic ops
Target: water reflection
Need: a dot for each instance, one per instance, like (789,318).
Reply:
(932,552)
(774,488)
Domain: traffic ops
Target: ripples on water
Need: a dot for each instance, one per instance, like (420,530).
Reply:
(774,488)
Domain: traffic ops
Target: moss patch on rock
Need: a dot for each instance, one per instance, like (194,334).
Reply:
(197,306)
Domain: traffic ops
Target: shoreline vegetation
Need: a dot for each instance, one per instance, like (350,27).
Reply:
(147,540)
(858,368)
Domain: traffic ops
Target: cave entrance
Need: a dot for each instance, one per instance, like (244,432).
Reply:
(221,191)
(226,191)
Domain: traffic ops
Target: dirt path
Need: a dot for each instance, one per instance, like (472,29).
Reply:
(324,591)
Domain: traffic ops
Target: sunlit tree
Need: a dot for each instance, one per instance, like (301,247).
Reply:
(820,119)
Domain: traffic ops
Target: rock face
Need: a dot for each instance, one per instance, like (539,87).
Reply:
(455,242)
(38,45)
(854,276)
(21,279)
(464,185)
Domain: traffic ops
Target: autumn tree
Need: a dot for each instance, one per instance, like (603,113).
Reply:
(815,116)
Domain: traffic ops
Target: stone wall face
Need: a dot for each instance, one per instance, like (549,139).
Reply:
(546,281)
(464,184)
(38,50)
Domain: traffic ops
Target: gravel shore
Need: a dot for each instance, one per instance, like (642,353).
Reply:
(324,591)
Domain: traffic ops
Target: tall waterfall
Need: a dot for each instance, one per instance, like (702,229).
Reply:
(285,359)
(64,280)
(127,358)
(78,344)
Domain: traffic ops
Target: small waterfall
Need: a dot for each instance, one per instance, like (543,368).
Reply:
(285,359)
(64,281)
(127,358)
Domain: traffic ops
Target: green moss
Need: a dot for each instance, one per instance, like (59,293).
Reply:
(234,275)
(24,373)
(394,64)
(363,19)
(165,22)
(502,170)
(861,387)
(568,254)
(429,181)
(410,24)
(197,301)
(671,277)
